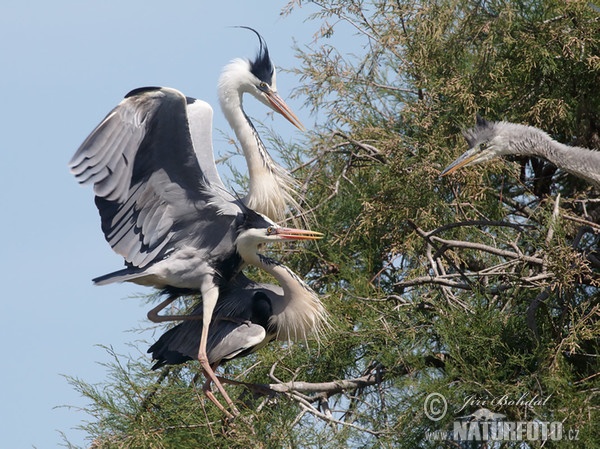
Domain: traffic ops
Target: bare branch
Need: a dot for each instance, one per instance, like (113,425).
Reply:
(594,226)
(554,219)
(518,227)
(310,409)
(438,280)
(489,249)
(328,388)
(394,88)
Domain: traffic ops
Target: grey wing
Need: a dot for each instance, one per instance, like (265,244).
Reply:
(229,339)
(147,180)
(106,157)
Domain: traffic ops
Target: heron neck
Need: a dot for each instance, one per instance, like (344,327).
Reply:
(292,284)
(299,312)
(581,162)
(268,183)
(254,150)
(271,188)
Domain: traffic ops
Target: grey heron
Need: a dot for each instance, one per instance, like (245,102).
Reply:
(488,140)
(163,206)
(247,317)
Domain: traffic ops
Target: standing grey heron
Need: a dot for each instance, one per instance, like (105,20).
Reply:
(271,188)
(247,317)
(488,140)
(163,206)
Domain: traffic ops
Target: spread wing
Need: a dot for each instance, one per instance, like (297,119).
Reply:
(146,174)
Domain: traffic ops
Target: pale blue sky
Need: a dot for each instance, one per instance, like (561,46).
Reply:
(65,64)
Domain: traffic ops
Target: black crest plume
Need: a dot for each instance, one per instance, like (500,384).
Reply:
(482,131)
(261,67)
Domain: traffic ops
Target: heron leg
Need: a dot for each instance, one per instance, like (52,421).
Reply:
(210,296)
(156,318)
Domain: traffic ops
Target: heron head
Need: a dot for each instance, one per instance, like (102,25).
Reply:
(258,78)
(485,143)
(258,229)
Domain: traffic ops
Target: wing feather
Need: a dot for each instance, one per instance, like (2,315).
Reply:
(105,158)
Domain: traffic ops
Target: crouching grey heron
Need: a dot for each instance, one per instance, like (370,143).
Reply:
(488,140)
(247,317)
(163,206)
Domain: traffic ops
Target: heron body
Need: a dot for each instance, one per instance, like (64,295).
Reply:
(158,208)
(248,316)
(488,140)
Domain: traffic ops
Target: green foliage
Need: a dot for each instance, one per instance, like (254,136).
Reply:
(481,286)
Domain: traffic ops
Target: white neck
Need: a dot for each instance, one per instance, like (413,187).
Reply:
(232,107)
(300,313)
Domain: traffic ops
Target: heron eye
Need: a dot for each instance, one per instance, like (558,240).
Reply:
(263,85)
(270,230)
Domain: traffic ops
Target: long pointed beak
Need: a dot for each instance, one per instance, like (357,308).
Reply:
(297,234)
(280,106)
(463,160)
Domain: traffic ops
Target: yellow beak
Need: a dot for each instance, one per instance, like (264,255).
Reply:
(280,106)
(298,234)
(463,160)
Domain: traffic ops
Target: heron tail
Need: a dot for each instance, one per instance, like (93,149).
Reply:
(125,275)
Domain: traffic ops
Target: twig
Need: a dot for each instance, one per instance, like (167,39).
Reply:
(310,409)
(394,88)
(554,219)
(518,227)
(594,226)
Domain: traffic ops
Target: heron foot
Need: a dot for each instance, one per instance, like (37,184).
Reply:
(211,378)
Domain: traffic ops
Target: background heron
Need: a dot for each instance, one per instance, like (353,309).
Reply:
(488,140)
(163,206)
(247,317)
